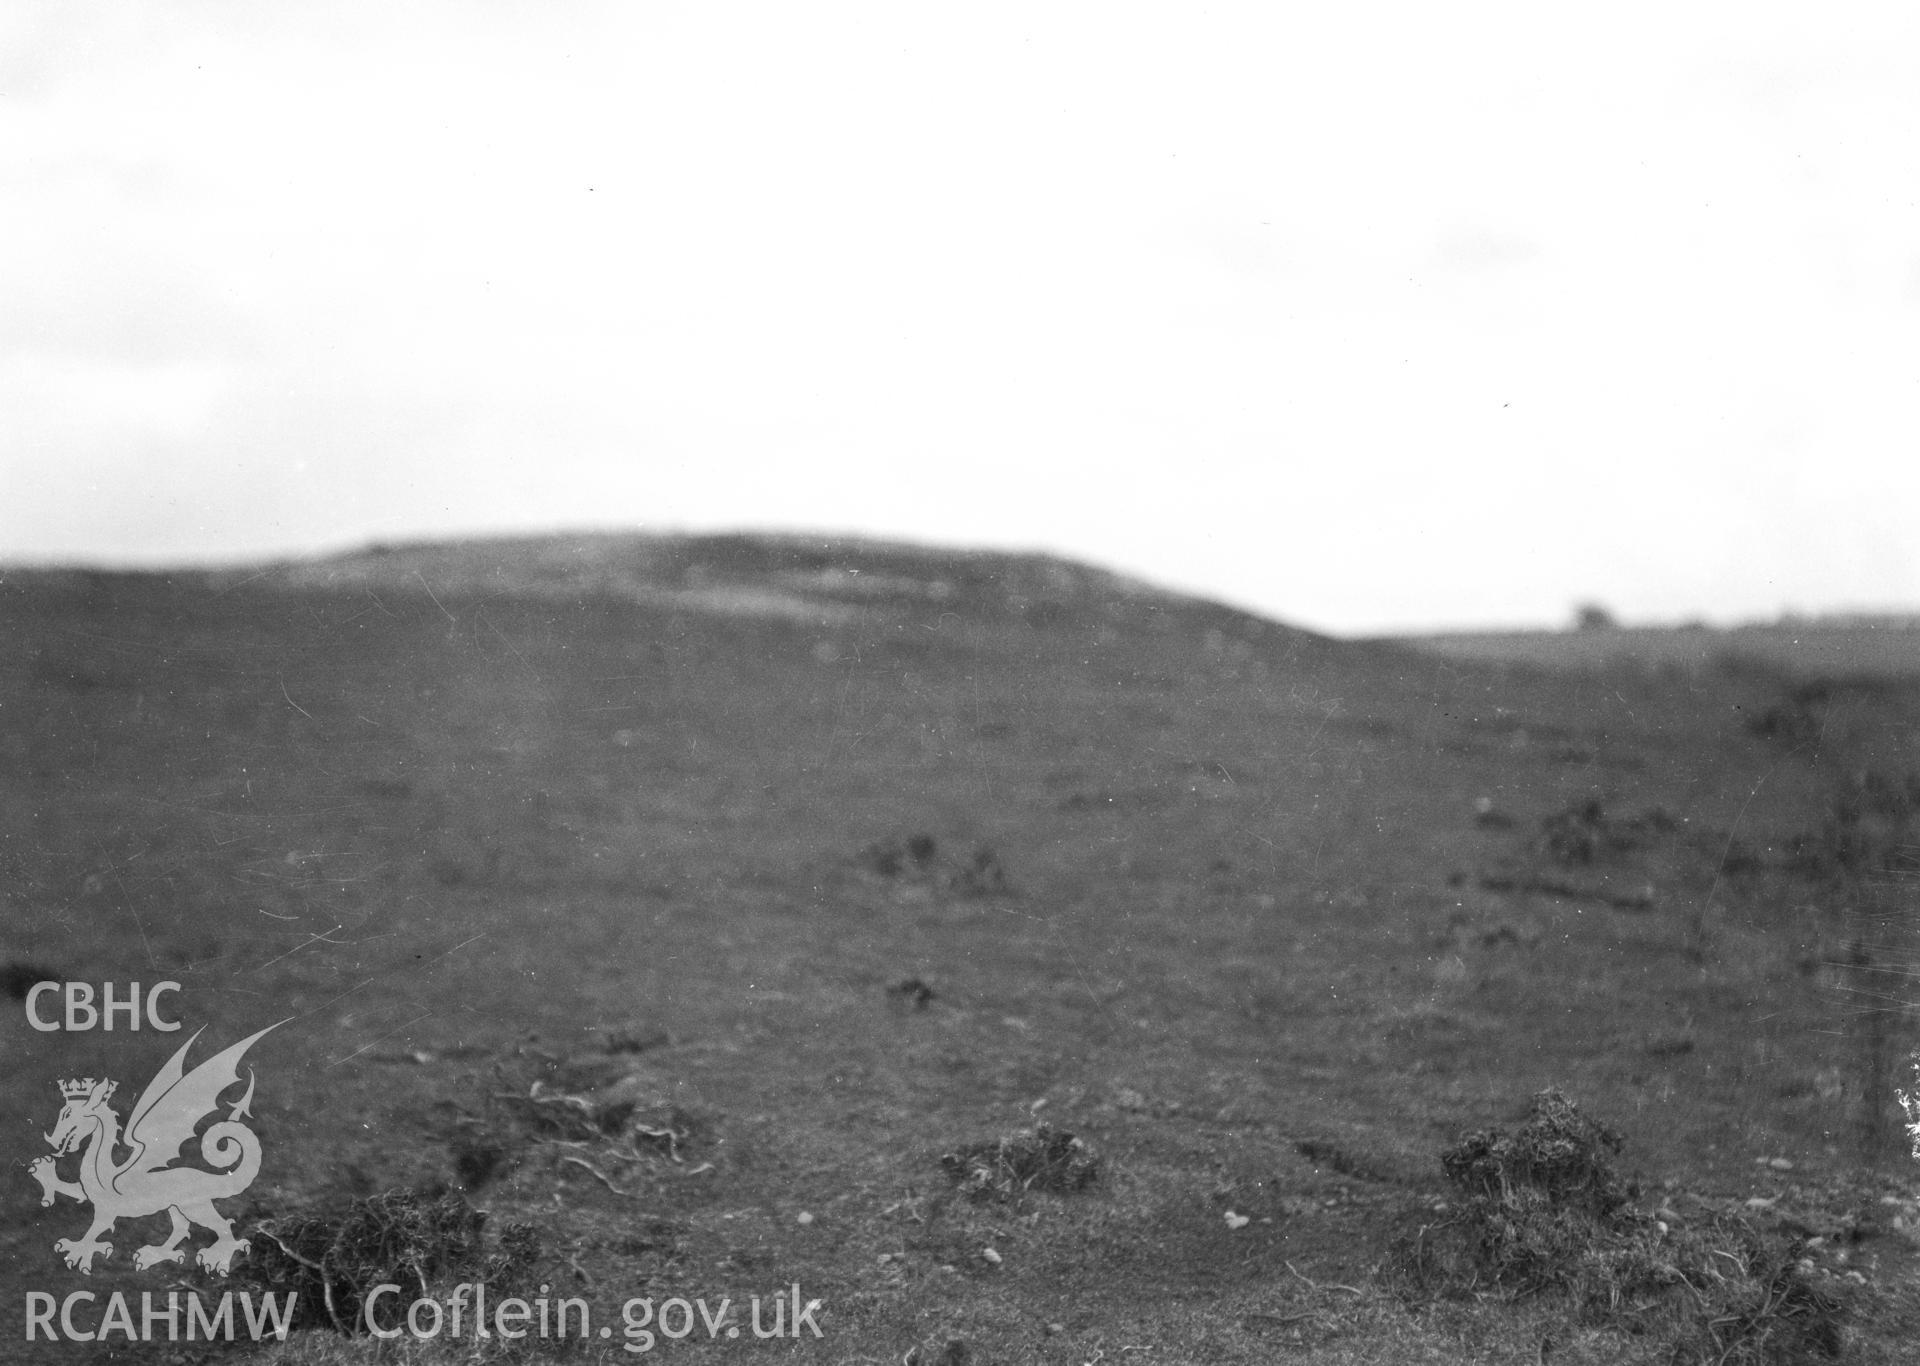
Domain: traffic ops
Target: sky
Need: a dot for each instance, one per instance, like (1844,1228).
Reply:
(1369,317)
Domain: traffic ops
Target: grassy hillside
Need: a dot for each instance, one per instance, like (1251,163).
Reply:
(1861,649)
(688,901)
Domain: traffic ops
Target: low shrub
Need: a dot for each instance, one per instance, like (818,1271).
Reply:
(1042,1158)
(1542,1211)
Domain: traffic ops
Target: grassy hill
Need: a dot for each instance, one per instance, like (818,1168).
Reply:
(687,901)
(1856,648)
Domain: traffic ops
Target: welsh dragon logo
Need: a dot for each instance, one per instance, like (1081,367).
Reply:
(162,1121)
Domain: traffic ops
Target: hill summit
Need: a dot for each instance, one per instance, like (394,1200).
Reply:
(821,579)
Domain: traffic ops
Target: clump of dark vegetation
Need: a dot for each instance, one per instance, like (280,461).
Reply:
(478,1158)
(1042,1158)
(1739,859)
(981,875)
(1322,1153)
(635,1040)
(18,978)
(899,858)
(1638,900)
(955,1353)
(1584,833)
(1559,1159)
(1797,718)
(421,1241)
(912,992)
(1805,713)
(1543,1211)
(1869,827)
(917,860)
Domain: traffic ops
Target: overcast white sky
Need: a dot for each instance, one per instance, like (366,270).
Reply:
(1367,316)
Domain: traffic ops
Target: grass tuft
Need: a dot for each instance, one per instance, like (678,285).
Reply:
(1042,1158)
(1544,1212)
(414,1239)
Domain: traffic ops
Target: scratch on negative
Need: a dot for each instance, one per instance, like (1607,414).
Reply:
(291,703)
(507,640)
(382,1039)
(343,995)
(320,938)
(456,948)
(436,598)
(243,583)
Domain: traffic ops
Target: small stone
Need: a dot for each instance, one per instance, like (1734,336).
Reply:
(803,1218)
(1055,1329)
(989,1256)
(1781,1164)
